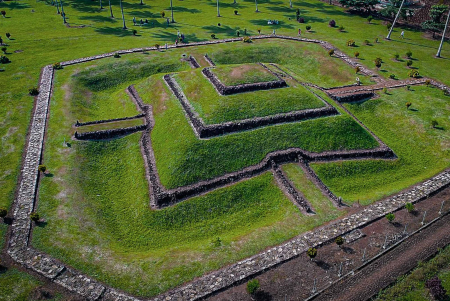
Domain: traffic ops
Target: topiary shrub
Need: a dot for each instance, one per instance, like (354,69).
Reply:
(157,46)
(3,13)
(388,25)
(409,63)
(57,66)
(409,54)
(428,82)
(376,40)
(409,206)
(252,286)
(33,91)
(247,40)
(163,14)
(434,123)
(436,289)
(413,73)
(235,11)
(134,32)
(312,253)
(390,217)
(330,52)
(378,62)
(42,168)
(392,76)
(116,55)
(301,20)
(332,23)
(8,35)
(34,216)
(408,104)
(341,28)
(351,43)
(357,69)
(366,42)
(339,241)
(4,49)
(3,212)
(238,33)
(369,19)
(385,90)
(4,60)
(356,54)
(396,56)
(213,36)
(308,27)
(259,30)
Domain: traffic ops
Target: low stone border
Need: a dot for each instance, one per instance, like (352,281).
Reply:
(76,282)
(108,134)
(207,131)
(209,60)
(193,62)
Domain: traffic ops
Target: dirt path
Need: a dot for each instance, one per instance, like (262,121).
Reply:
(383,271)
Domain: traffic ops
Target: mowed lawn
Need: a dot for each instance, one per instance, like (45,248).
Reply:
(422,150)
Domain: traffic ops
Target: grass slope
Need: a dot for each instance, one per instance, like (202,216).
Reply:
(422,150)
(243,74)
(16,285)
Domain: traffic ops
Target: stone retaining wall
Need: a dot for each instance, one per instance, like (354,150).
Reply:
(108,134)
(193,62)
(78,124)
(209,60)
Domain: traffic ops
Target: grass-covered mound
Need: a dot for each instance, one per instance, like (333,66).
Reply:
(215,108)
(422,150)
(233,75)
(181,158)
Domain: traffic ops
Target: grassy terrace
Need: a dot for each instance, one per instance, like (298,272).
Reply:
(215,108)
(243,74)
(183,159)
(423,151)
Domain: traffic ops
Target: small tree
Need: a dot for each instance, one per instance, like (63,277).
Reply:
(252,286)
(3,13)
(163,14)
(436,289)
(4,50)
(312,253)
(308,27)
(409,63)
(330,52)
(351,43)
(157,46)
(378,62)
(42,168)
(396,56)
(332,23)
(413,73)
(341,28)
(366,42)
(357,69)
(213,36)
(409,207)
(392,76)
(34,216)
(408,104)
(57,66)
(134,32)
(259,30)
(236,12)
(238,33)
(390,217)
(3,212)
(8,35)
(436,22)
(409,54)
(33,91)
(434,123)
(339,241)
(356,54)
(385,90)
(4,59)
(369,19)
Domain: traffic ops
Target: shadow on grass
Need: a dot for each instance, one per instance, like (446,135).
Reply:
(114,31)
(227,30)
(14,5)
(280,24)
(101,19)
(171,37)
(145,14)
(181,9)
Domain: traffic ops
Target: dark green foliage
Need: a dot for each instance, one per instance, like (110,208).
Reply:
(339,241)
(351,43)
(408,104)
(378,62)
(247,40)
(4,49)
(4,60)
(436,289)
(116,55)
(409,207)
(392,76)
(33,91)
(369,19)
(392,7)
(413,73)
(366,42)
(312,252)
(332,23)
(252,286)
(390,217)
(359,5)
(434,123)
(213,36)
(163,14)
(436,22)
(57,66)
(235,11)
(308,27)
(396,56)
(341,28)
(3,212)
(409,54)
(34,216)
(3,13)
(238,33)
(356,54)
(8,35)
(42,168)
(330,52)
(134,32)
(409,63)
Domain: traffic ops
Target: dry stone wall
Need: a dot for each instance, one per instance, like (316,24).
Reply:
(18,242)
(78,124)
(108,134)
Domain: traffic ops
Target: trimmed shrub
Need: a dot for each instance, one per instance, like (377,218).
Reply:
(3,212)
(388,25)
(157,46)
(42,168)
(213,36)
(408,104)
(385,90)
(409,54)
(238,33)
(4,60)
(116,55)
(392,76)
(332,23)
(356,54)
(301,20)
(33,91)
(409,206)
(57,66)
(357,69)
(434,123)
(376,40)
(259,30)
(396,56)
(330,52)
(341,28)
(369,19)
(427,82)
(34,216)
(308,27)
(378,62)
(247,40)
(134,32)
(163,14)
(3,13)
(312,252)
(390,217)
(339,241)
(409,63)
(436,289)
(252,286)
(235,11)
(413,73)
(351,43)
(4,49)
(8,35)
(366,42)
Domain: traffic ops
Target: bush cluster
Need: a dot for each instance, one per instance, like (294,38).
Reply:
(413,73)
(351,43)
(247,40)
(330,52)
(332,23)
(4,60)
(33,91)
(436,289)
(57,66)
(252,286)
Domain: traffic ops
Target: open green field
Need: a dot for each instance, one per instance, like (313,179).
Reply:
(243,74)
(95,199)
(215,108)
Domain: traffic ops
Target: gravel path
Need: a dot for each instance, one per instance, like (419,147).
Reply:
(385,270)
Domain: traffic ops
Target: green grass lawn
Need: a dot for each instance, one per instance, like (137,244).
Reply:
(109,125)
(423,151)
(412,287)
(183,159)
(215,108)
(233,75)
(16,285)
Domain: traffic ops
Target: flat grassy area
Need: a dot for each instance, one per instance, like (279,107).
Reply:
(183,159)
(109,125)
(411,287)
(422,151)
(16,285)
(243,74)
(214,108)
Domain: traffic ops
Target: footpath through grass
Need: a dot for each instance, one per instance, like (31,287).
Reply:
(422,150)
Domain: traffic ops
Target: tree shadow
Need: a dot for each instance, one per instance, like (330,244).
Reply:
(102,19)
(262,296)
(171,37)
(116,31)
(140,14)
(3,269)
(14,5)
(282,9)
(322,264)
(230,31)
(8,220)
(41,224)
(348,250)
(181,9)
(441,128)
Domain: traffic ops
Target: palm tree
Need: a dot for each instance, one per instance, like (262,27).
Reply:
(171,8)
(123,17)
(63,14)
(438,54)
(101,6)
(256,2)
(110,9)
(142,2)
(290,3)
(218,11)
(395,20)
